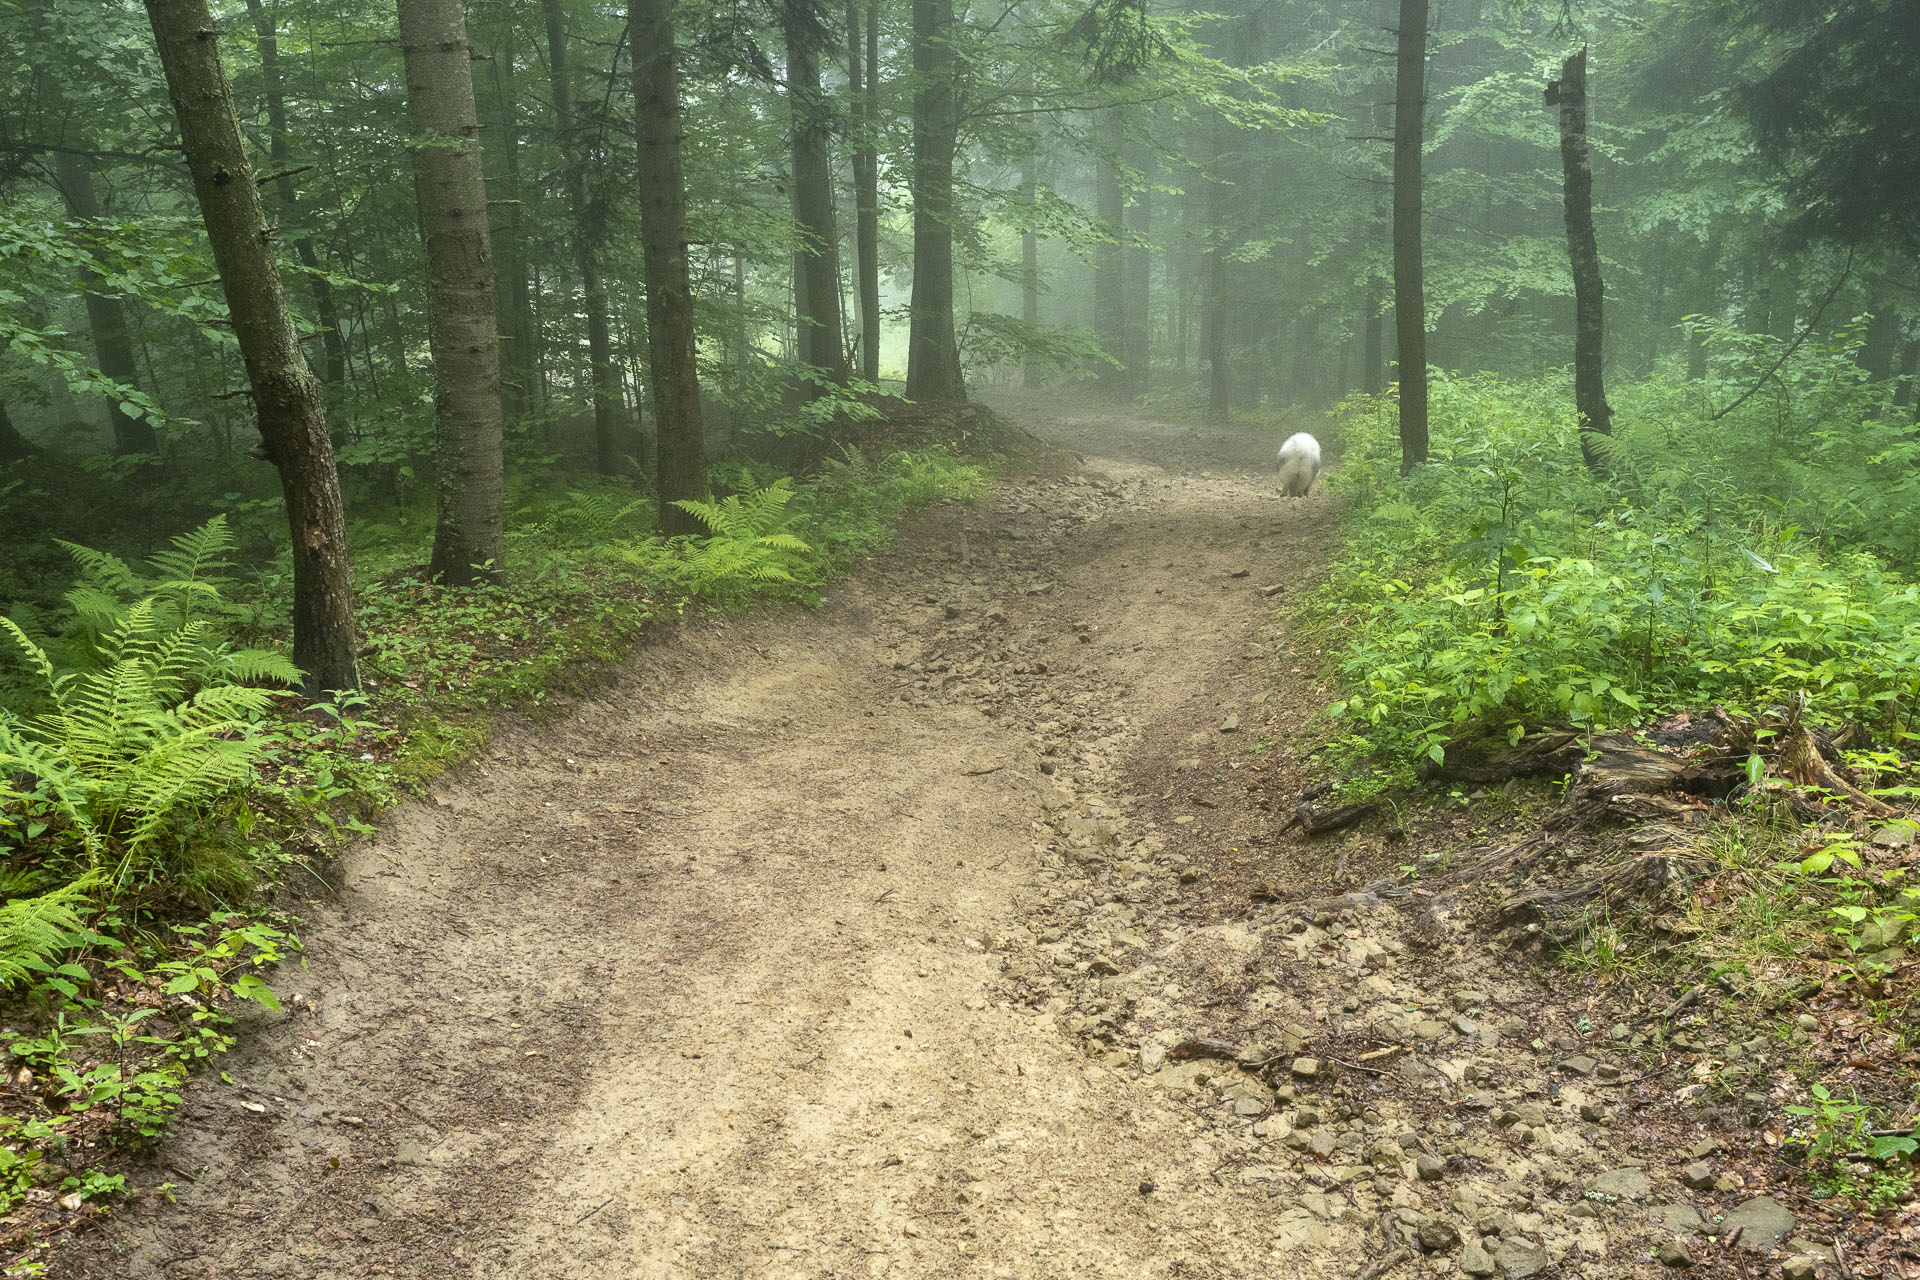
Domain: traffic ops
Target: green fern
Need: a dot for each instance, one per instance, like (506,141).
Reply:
(141,717)
(34,930)
(750,540)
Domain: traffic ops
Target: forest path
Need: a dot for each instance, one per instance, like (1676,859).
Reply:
(774,959)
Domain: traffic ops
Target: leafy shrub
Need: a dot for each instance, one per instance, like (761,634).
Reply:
(1504,583)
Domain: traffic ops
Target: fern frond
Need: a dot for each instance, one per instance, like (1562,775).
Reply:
(34,930)
(36,656)
(196,553)
(254,666)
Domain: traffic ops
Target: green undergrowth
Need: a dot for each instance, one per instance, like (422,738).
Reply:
(1750,555)
(156,780)
(1736,561)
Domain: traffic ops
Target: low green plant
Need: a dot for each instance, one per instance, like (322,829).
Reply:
(1846,1157)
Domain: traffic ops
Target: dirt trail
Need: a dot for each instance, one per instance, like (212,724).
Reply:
(806,951)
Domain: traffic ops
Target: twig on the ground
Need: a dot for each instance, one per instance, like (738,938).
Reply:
(1688,997)
(589,1213)
(981,773)
(883,897)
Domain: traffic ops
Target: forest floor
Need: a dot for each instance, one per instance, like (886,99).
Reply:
(944,931)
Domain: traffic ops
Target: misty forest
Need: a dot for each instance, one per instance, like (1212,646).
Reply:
(936,638)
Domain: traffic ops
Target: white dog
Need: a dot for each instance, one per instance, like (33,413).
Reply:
(1299,464)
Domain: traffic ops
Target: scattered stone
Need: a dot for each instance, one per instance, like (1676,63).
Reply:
(1699,1175)
(1800,1268)
(1895,835)
(1623,1184)
(1468,1001)
(1762,1222)
(1437,1233)
(1231,724)
(1678,1218)
(1477,1101)
(1807,1022)
(1430,1168)
(1465,1026)
(1580,1065)
(1305,1068)
(1593,1112)
(1520,1258)
(1674,1253)
(1474,1260)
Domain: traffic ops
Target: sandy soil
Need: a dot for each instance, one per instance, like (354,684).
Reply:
(757,963)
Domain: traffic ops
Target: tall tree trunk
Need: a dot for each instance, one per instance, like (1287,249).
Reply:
(106,317)
(864,95)
(1372,344)
(1909,363)
(1409,271)
(286,396)
(589,230)
(1138,293)
(1030,375)
(13,445)
(663,244)
(1569,92)
(1219,407)
(933,347)
(1109,257)
(324,310)
(469,530)
(822,339)
(517,376)
(1877,353)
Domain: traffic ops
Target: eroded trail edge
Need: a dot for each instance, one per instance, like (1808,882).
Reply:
(875,942)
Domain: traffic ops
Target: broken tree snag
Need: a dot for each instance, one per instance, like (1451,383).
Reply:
(1569,93)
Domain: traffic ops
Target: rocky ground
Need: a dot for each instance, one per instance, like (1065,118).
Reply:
(952,931)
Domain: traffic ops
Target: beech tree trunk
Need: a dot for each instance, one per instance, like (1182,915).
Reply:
(1569,92)
(589,229)
(469,531)
(324,310)
(106,317)
(286,395)
(663,243)
(933,347)
(864,97)
(1109,257)
(518,378)
(822,339)
(1409,271)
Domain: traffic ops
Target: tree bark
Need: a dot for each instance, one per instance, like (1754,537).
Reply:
(13,445)
(1139,289)
(589,230)
(1030,375)
(1109,257)
(933,347)
(469,541)
(325,312)
(106,317)
(1877,352)
(663,242)
(822,339)
(517,374)
(1569,92)
(1409,272)
(1372,354)
(286,396)
(864,94)
(1219,407)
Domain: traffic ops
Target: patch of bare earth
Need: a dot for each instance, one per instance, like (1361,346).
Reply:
(909,938)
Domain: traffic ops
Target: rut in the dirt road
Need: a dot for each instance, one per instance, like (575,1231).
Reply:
(858,944)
